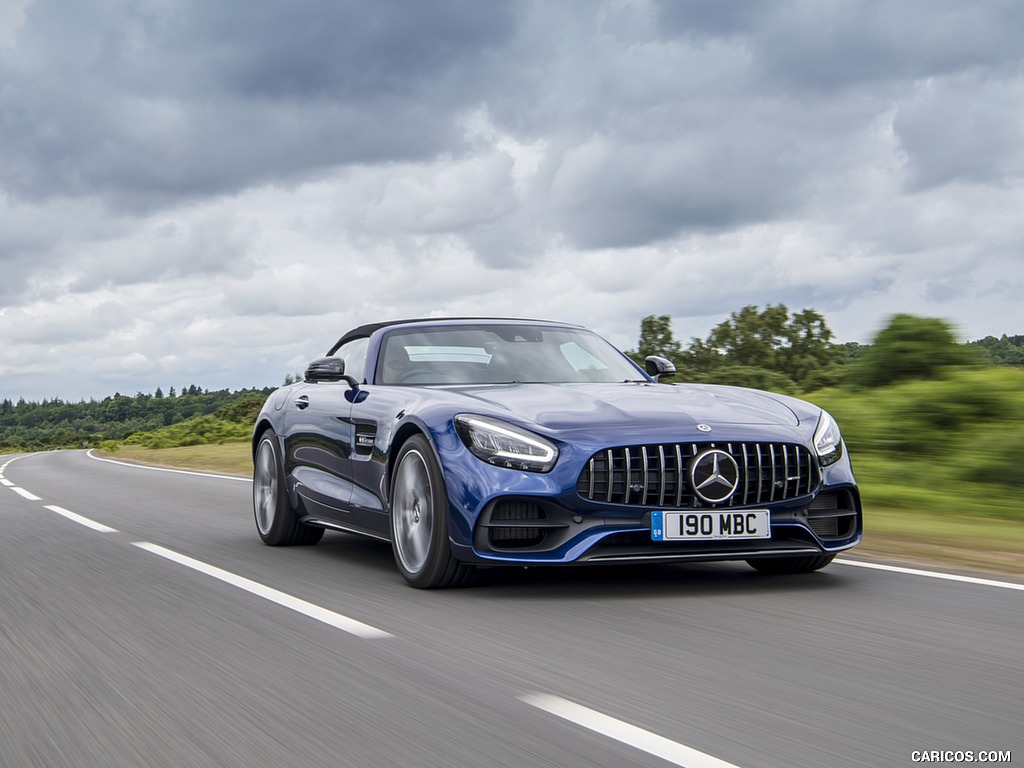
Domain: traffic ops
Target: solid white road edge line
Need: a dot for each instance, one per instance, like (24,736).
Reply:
(932,574)
(6,482)
(651,743)
(91,455)
(25,494)
(331,618)
(74,516)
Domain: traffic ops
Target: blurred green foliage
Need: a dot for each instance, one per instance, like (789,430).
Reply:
(911,347)
(950,445)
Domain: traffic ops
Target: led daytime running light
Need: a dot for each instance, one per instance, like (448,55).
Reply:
(505,445)
(828,443)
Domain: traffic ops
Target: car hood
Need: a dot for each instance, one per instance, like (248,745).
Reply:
(584,406)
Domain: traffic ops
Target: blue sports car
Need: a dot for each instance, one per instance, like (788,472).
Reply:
(475,442)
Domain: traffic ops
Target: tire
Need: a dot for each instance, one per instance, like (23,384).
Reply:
(276,522)
(787,565)
(419,521)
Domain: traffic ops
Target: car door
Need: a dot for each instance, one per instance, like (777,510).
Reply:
(322,443)
(318,447)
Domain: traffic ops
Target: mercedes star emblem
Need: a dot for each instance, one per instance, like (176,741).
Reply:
(714,476)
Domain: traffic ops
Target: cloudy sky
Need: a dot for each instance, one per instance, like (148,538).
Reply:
(213,192)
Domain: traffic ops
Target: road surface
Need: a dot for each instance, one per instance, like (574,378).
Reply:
(143,623)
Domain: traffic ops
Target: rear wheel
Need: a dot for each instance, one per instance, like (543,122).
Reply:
(275,518)
(784,565)
(419,521)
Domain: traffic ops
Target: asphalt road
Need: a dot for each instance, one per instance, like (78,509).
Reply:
(235,654)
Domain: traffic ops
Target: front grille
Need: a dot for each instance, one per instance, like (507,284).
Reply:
(658,475)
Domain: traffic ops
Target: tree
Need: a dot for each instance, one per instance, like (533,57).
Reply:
(808,356)
(911,347)
(798,352)
(752,338)
(656,338)
(1008,350)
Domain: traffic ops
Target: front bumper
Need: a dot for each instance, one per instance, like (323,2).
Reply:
(535,530)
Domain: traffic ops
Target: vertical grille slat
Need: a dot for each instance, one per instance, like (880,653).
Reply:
(760,470)
(679,475)
(785,471)
(629,476)
(745,469)
(659,474)
(611,474)
(643,459)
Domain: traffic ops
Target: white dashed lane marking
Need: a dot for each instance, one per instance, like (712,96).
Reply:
(651,743)
(336,620)
(81,520)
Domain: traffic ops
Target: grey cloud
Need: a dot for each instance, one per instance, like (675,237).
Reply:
(173,250)
(823,46)
(235,173)
(145,104)
(700,18)
(964,129)
(618,196)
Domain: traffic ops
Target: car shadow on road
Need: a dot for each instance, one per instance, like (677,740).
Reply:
(628,582)
(608,582)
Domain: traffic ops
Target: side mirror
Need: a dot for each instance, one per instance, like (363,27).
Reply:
(326,369)
(657,367)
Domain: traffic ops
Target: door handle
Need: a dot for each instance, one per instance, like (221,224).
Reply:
(302,402)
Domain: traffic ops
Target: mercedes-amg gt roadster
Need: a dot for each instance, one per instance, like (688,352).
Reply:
(486,442)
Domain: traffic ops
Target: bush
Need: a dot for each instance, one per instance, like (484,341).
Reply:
(911,348)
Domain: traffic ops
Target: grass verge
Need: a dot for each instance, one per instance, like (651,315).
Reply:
(230,458)
(959,541)
(975,543)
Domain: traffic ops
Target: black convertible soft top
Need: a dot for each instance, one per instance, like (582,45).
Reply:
(364,331)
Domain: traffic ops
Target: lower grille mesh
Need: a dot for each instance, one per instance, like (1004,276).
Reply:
(515,536)
(659,475)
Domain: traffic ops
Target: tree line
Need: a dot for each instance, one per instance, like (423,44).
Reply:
(32,426)
(774,349)
(768,348)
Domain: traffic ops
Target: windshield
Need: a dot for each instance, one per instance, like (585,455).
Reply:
(500,354)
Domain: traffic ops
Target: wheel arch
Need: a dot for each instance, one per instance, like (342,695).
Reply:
(402,434)
(261,426)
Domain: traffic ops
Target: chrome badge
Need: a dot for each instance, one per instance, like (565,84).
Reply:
(714,476)
(703,428)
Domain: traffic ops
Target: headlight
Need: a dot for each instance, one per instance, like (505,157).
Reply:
(504,445)
(828,443)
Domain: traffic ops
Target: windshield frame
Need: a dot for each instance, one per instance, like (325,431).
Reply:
(503,353)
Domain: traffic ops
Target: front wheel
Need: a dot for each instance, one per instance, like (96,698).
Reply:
(419,521)
(784,565)
(275,519)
